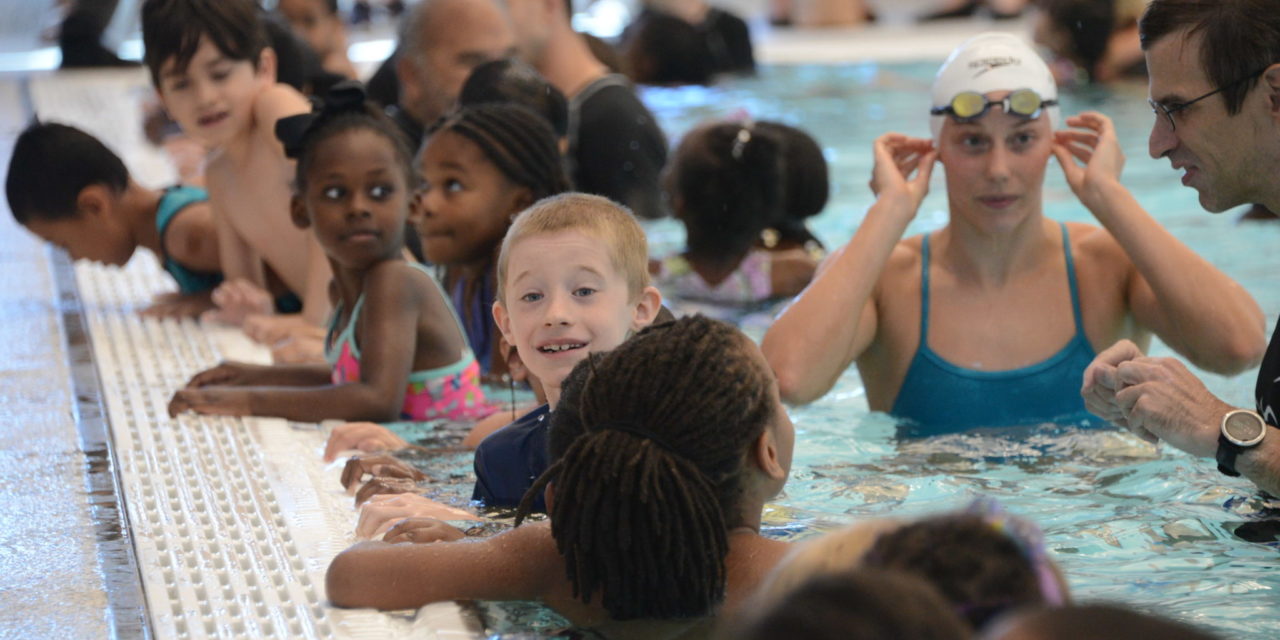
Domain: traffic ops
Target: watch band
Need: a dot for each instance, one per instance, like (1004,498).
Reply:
(1227,453)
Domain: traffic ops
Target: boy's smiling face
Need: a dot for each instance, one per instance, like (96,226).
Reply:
(565,298)
(212,98)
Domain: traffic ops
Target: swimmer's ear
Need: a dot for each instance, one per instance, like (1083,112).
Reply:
(1271,84)
(95,201)
(503,321)
(646,309)
(415,208)
(267,63)
(298,213)
(766,454)
(521,200)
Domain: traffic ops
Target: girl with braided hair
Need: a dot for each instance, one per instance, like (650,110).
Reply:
(665,451)
(395,348)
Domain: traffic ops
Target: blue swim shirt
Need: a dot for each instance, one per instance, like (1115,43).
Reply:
(938,397)
(510,459)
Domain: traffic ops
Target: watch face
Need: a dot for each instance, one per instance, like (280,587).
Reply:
(1243,427)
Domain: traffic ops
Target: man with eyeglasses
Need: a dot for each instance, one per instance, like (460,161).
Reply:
(1215,89)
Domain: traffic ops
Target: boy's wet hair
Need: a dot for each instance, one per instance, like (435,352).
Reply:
(171,30)
(727,179)
(980,569)
(649,443)
(519,142)
(594,215)
(868,604)
(344,109)
(1240,37)
(51,164)
(514,82)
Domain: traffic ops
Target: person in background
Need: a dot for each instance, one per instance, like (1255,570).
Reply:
(1092,40)
(320,25)
(615,146)
(806,186)
(819,13)
(672,43)
(1214,70)
(1097,621)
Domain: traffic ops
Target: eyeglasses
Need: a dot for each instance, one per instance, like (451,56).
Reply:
(1169,109)
(968,106)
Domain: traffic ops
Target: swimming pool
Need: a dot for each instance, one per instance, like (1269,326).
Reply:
(1156,529)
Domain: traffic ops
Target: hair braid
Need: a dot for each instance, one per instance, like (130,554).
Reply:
(517,141)
(649,442)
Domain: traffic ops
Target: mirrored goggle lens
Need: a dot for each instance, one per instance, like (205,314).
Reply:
(1023,102)
(968,105)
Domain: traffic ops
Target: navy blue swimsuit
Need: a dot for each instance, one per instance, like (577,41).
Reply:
(510,459)
(939,397)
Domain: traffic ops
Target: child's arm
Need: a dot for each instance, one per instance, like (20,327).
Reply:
(514,565)
(393,296)
(240,374)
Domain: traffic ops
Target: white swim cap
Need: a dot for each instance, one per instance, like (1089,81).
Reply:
(993,62)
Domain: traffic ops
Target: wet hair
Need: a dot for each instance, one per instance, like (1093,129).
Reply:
(171,29)
(51,164)
(594,215)
(1240,37)
(806,183)
(1094,621)
(663,49)
(516,140)
(867,604)
(512,81)
(978,568)
(727,180)
(649,444)
(1088,25)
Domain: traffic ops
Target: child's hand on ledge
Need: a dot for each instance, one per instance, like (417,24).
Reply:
(382,512)
(422,530)
(364,436)
(221,401)
(378,466)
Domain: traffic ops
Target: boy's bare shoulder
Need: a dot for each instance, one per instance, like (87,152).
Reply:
(275,102)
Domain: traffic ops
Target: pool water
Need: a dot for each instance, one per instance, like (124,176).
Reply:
(1127,521)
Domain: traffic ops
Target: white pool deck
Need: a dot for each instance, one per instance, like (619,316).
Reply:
(232,522)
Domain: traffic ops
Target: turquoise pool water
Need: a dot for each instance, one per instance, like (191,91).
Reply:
(1157,529)
(1128,522)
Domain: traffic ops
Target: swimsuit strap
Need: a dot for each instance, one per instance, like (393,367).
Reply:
(924,292)
(1071,279)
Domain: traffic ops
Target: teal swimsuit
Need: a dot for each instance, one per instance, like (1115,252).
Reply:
(172,201)
(939,397)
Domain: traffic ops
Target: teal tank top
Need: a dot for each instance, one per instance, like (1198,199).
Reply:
(172,201)
(938,397)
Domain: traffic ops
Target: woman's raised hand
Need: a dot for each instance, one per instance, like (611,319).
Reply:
(897,158)
(1092,142)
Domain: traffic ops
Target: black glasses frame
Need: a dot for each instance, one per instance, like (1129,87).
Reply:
(1168,110)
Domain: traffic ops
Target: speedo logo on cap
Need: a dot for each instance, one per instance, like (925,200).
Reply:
(987,64)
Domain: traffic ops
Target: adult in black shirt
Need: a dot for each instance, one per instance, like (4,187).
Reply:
(1215,83)
(616,148)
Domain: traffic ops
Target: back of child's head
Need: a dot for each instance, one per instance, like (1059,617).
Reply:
(596,216)
(805,179)
(344,109)
(1092,621)
(649,447)
(725,182)
(172,29)
(1086,26)
(865,604)
(984,564)
(519,142)
(51,164)
(662,49)
(512,81)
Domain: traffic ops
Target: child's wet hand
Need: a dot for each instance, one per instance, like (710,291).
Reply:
(378,466)
(273,329)
(210,401)
(382,512)
(385,485)
(177,305)
(365,436)
(237,300)
(226,374)
(421,531)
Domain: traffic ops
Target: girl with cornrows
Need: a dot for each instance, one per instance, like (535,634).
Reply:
(664,452)
(482,165)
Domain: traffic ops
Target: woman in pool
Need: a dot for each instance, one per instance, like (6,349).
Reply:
(991,320)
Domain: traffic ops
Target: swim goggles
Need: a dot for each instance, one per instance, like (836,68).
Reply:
(968,106)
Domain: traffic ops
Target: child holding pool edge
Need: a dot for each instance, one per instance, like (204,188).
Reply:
(69,189)
(695,404)
(355,188)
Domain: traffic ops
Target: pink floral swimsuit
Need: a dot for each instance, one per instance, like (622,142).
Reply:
(451,392)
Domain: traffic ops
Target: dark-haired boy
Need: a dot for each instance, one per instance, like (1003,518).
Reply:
(215,75)
(71,190)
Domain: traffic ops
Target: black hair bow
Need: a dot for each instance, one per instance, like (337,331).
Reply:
(292,131)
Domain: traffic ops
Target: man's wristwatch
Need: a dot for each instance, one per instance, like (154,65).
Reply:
(1241,430)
